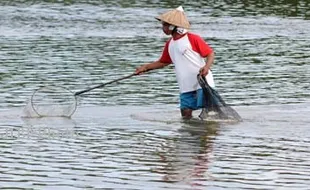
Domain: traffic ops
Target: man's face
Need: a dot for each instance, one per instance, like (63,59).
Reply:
(165,27)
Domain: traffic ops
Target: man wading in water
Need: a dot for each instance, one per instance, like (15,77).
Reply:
(190,55)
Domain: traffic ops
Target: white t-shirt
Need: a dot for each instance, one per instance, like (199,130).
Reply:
(187,54)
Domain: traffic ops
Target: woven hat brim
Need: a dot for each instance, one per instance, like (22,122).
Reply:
(176,18)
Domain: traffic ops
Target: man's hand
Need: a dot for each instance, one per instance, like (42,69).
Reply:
(141,69)
(204,71)
(150,66)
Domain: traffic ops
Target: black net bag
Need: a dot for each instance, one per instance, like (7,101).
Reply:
(214,105)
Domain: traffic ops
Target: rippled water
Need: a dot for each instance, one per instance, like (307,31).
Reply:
(129,135)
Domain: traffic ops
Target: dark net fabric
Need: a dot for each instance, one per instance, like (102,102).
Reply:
(215,107)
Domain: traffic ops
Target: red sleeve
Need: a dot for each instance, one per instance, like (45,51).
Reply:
(199,45)
(165,57)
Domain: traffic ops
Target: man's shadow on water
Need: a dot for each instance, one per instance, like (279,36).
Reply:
(186,158)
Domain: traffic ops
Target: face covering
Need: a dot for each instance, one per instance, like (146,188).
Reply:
(179,30)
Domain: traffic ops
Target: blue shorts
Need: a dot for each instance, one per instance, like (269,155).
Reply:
(192,100)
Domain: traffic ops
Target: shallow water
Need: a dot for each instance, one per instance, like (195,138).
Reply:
(151,146)
(129,135)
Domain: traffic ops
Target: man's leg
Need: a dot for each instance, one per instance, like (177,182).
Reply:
(186,113)
(188,103)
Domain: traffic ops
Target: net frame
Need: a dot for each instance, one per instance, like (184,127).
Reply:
(71,94)
(62,112)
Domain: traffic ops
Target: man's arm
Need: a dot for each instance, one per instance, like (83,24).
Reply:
(150,66)
(204,70)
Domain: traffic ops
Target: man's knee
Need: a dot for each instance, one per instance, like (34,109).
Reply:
(186,113)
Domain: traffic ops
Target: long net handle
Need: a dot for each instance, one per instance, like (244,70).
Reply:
(103,84)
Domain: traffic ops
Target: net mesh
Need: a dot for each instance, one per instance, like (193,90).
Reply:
(51,101)
(215,106)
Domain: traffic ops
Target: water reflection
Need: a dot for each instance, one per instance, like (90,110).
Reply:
(54,128)
(186,157)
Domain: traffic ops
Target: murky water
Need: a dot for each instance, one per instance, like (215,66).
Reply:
(129,135)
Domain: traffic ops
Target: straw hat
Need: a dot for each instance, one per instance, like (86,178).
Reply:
(175,17)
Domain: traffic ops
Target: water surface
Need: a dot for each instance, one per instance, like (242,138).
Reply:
(129,135)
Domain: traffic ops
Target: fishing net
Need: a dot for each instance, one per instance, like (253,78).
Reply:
(56,101)
(51,101)
(215,106)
